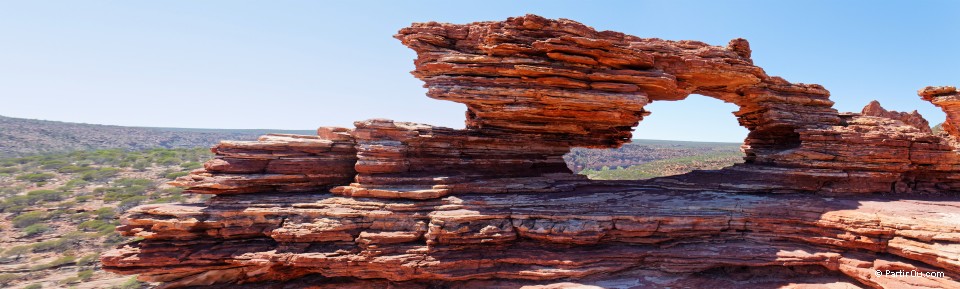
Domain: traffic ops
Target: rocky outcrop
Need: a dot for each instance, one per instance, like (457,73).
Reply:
(277,163)
(416,161)
(913,118)
(536,237)
(406,205)
(946,98)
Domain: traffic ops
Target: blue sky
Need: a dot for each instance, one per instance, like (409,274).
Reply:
(303,64)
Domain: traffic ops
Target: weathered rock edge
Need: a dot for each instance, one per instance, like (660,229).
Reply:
(592,231)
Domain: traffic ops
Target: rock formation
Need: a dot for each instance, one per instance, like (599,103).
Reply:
(948,99)
(282,163)
(405,205)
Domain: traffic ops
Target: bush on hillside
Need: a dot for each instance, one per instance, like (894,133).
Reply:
(17,251)
(48,195)
(29,218)
(100,174)
(35,229)
(7,278)
(175,175)
(105,213)
(36,177)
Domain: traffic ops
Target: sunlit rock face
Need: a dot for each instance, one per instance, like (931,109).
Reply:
(824,199)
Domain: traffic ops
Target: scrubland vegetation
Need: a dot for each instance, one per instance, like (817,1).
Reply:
(58,212)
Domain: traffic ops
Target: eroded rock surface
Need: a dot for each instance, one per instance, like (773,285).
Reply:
(948,99)
(276,162)
(561,236)
(823,200)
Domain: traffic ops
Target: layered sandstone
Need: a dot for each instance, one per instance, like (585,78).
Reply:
(948,99)
(417,161)
(536,237)
(407,205)
(277,162)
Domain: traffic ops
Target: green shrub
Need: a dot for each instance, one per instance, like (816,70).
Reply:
(16,204)
(22,200)
(11,190)
(168,161)
(85,275)
(113,239)
(131,182)
(105,213)
(70,280)
(175,175)
(48,195)
(73,169)
(75,183)
(61,244)
(36,177)
(191,165)
(57,213)
(15,209)
(7,278)
(53,164)
(140,165)
(56,244)
(131,283)
(35,229)
(88,259)
(66,204)
(29,218)
(125,188)
(34,286)
(97,225)
(100,174)
(17,251)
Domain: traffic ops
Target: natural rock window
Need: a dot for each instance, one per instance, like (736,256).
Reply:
(697,133)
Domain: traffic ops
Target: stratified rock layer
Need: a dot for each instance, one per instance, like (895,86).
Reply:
(276,162)
(948,99)
(416,161)
(494,205)
(562,236)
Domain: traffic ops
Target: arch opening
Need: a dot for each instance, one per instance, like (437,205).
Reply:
(697,133)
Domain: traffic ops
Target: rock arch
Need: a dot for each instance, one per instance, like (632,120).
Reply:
(535,87)
(531,75)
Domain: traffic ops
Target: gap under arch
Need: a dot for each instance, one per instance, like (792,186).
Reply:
(697,133)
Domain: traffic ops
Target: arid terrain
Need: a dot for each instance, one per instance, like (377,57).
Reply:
(58,211)
(21,137)
(644,159)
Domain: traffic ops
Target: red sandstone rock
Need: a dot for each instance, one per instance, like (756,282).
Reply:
(283,163)
(494,206)
(586,232)
(946,98)
(913,119)
(417,161)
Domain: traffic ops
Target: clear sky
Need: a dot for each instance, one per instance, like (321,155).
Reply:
(303,64)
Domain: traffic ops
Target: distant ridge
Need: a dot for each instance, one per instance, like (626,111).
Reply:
(21,137)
